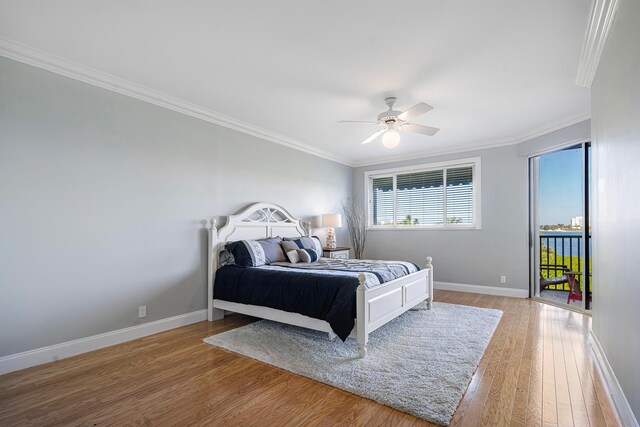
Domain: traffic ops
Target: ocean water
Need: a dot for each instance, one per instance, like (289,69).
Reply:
(573,243)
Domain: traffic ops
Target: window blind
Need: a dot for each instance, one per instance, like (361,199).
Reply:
(460,195)
(382,200)
(444,197)
(420,198)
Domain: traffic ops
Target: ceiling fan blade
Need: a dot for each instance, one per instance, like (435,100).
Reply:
(374,136)
(415,111)
(424,130)
(357,121)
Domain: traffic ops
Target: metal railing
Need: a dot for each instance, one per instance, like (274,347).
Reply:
(559,252)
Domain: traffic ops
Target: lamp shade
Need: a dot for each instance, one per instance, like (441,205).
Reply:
(332,220)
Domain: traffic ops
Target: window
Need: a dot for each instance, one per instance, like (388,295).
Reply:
(442,195)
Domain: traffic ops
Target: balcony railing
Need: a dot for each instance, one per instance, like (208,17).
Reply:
(558,252)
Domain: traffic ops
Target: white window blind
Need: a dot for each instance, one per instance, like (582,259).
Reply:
(460,195)
(382,195)
(444,197)
(420,198)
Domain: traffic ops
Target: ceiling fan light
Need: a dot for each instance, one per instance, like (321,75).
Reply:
(390,139)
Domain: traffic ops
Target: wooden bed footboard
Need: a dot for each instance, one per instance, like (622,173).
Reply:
(381,304)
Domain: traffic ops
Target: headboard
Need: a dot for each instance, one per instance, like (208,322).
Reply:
(257,221)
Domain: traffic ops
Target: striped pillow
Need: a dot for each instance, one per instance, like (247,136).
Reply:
(302,255)
(304,250)
(246,253)
(307,255)
(306,243)
(253,253)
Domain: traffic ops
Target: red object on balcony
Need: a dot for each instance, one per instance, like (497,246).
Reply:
(575,293)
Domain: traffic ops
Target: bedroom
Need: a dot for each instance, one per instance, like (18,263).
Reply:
(112,157)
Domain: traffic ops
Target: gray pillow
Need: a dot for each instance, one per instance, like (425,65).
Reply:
(288,246)
(272,250)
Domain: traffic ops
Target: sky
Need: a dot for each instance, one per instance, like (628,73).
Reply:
(560,186)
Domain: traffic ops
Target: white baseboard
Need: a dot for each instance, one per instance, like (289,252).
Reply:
(55,352)
(477,289)
(613,386)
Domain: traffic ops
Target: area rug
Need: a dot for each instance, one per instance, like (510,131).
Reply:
(419,363)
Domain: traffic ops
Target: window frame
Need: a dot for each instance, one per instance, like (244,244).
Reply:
(474,162)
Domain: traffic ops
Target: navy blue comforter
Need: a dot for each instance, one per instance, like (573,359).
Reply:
(329,298)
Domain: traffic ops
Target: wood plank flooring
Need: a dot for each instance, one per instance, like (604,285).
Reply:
(537,371)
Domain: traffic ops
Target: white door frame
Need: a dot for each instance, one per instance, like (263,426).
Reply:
(534,222)
(534,225)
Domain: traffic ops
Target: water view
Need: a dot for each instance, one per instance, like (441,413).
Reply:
(567,243)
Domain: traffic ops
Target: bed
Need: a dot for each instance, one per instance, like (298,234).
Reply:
(375,303)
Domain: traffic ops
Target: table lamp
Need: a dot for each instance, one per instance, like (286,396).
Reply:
(331,221)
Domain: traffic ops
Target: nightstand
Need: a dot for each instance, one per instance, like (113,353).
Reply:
(336,253)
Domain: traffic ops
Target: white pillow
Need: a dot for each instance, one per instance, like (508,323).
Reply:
(293,256)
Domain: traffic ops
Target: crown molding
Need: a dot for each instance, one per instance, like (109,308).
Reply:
(30,56)
(534,133)
(600,22)
(482,146)
(27,55)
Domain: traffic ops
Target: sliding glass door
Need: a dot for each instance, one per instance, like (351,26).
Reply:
(560,235)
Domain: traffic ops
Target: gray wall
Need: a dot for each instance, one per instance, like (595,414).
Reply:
(578,132)
(615,107)
(102,199)
(476,257)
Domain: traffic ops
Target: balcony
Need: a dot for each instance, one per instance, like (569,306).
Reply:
(561,251)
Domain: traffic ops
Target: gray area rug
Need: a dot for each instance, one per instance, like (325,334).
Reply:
(420,363)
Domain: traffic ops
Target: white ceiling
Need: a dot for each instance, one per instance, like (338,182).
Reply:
(494,71)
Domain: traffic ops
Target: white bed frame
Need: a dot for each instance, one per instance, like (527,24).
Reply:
(375,306)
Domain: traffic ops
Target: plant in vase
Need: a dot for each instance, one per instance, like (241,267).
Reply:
(356,223)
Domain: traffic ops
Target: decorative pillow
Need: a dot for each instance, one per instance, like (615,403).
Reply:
(307,243)
(288,246)
(225,258)
(302,255)
(317,245)
(293,256)
(247,253)
(272,250)
(307,255)
(253,253)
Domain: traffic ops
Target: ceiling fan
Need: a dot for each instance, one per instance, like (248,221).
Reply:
(393,120)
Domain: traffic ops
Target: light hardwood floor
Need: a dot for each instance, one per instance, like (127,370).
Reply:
(537,370)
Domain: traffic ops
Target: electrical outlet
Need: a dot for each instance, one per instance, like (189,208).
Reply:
(142,311)
(503,279)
